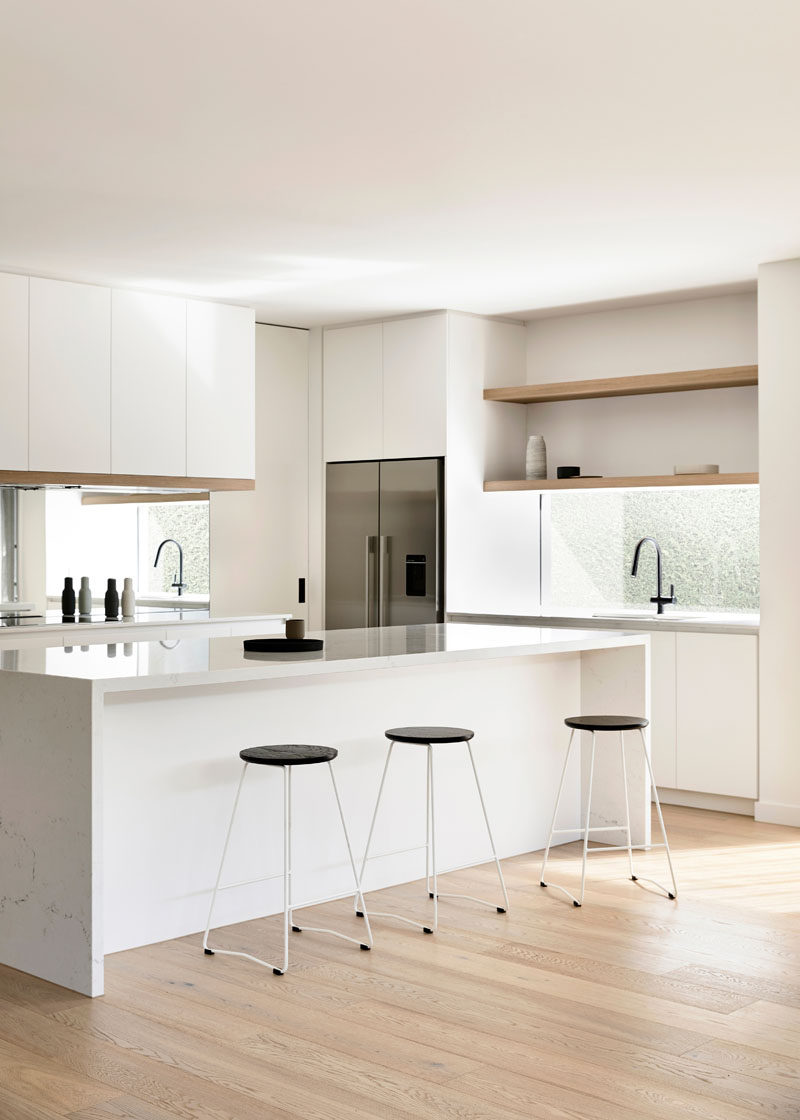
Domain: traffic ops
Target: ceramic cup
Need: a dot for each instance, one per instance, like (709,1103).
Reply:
(295,628)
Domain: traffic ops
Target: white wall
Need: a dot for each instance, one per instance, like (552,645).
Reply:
(648,434)
(259,538)
(779,406)
(492,540)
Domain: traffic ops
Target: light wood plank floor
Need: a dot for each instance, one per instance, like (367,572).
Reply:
(631,1008)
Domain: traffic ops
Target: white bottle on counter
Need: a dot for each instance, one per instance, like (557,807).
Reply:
(128,599)
(85,598)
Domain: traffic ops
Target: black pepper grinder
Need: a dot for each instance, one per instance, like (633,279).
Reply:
(112,602)
(68,601)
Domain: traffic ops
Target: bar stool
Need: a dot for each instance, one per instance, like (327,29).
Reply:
(597,724)
(287,756)
(430,737)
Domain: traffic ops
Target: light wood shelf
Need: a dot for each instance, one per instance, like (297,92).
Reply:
(726,377)
(144,481)
(631,483)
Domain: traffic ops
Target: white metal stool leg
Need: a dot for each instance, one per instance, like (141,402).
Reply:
(222,861)
(627,803)
(554,830)
(674,892)
(359,897)
(471,898)
(434,883)
(588,816)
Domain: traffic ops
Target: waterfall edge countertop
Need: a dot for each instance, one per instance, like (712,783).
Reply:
(114,667)
(120,764)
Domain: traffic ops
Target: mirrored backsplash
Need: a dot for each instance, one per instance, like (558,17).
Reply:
(119,540)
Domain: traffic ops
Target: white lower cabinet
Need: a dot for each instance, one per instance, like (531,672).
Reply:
(717,714)
(704,706)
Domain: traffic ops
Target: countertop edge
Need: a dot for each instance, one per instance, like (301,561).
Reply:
(591,623)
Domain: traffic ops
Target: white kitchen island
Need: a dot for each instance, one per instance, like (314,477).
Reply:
(117,773)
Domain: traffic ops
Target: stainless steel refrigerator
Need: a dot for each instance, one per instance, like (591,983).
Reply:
(384,543)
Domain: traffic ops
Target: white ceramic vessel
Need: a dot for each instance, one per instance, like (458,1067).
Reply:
(536,458)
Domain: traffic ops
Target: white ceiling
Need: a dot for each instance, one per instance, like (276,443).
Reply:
(326,160)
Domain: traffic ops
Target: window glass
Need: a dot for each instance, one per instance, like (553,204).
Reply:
(187,523)
(709,539)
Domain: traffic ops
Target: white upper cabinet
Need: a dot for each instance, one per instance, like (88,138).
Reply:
(14,372)
(414,387)
(70,377)
(385,389)
(220,391)
(148,384)
(352,393)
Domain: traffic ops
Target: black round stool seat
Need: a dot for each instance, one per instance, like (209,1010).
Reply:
(606,723)
(429,734)
(288,754)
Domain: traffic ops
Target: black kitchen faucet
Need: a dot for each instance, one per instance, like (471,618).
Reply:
(659,598)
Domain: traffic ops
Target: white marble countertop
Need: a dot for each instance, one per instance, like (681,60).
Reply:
(137,665)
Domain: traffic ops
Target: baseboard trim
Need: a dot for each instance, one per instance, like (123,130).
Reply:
(714,801)
(774,812)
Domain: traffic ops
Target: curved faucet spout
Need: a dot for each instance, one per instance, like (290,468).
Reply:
(177,580)
(659,598)
(656,546)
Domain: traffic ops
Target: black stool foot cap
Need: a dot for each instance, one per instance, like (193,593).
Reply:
(296,929)
(671,895)
(574,903)
(542,883)
(209,952)
(278,971)
(359,913)
(634,877)
(501,909)
(367,947)
(430,894)
(426,929)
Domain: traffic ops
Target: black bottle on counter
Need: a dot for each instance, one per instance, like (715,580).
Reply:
(112,602)
(68,601)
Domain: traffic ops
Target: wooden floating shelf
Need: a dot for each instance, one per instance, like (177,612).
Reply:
(634,482)
(727,377)
(144,481)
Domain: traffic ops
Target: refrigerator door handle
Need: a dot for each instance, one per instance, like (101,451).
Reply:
(383,581)
(369,580)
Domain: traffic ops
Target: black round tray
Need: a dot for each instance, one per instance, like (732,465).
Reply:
(282,645)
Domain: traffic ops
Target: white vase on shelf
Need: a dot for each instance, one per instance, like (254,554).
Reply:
(536,458)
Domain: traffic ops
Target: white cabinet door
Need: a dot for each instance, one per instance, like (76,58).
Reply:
(220,391)
(717,727)
(352,393)
(414,387)
(259,539)
(14,372)
(663,710)
(148,384)
(70,377)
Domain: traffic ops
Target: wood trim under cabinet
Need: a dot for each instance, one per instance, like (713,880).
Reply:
(92,498)
(630,483)
(145,481)
(726,377)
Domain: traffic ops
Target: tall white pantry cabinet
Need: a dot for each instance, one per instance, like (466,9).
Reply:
(129,386)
